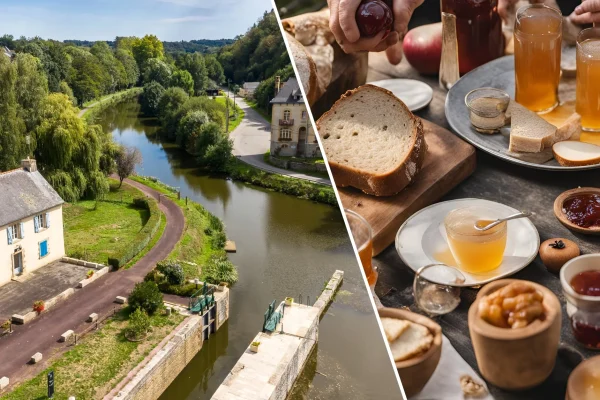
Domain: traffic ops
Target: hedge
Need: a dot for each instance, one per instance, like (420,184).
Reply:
(142,239)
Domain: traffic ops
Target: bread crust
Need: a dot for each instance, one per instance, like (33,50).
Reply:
(570,163)
(300,55)
(391,182)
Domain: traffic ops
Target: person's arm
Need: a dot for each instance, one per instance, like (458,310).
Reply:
(342,23)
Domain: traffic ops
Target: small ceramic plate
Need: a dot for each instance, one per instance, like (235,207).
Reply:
(415,94)
(421,240)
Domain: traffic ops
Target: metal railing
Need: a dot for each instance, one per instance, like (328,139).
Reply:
(286,122)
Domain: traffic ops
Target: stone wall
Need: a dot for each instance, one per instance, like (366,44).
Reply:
(296,364)
(154,375)
(297,165)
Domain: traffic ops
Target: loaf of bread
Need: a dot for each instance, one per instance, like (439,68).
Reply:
(372,141)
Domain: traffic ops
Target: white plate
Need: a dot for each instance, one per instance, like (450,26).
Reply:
(415,94)
(423,235)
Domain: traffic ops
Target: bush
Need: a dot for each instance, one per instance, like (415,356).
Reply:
(179,290)
(220,269)
(147,296)
(218,240)
(150,98)
(142,239)
(154,276)
(172,272)
(168,108)
(139,324)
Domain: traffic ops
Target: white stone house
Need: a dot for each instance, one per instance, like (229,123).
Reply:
(247,89)
(292,133)
(31,222)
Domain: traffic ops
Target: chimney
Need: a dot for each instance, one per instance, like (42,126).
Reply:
(277,85)
(29,165)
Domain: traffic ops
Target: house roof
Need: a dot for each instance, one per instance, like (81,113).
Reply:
(289,94)
(24,194)
(9,53)
(251,85)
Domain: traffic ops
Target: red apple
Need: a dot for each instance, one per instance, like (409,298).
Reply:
(423,48)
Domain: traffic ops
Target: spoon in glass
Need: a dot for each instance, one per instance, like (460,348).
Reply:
(484,225)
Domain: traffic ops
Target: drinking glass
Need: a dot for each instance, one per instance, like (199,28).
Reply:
(588,79)
(436,288)
(363,239)
(538,37)
(475,251)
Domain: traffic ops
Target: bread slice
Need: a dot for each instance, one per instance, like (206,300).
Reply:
(394,327)
(572,153)
(529,133)
(306,69)
(372,141)
(416,339)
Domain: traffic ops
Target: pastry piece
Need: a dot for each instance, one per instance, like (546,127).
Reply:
(529,133)
(393,327)
(372,141)
(556,252)
(472,389)
(415,340)
(572,153)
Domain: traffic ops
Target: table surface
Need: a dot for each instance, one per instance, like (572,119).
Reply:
(518,187)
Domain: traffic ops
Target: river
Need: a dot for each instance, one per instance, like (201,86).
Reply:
(285,247)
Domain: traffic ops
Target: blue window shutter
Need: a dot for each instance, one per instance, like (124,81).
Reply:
(36,224)
(43,248)
(22,230)
(9,234)
(47,220)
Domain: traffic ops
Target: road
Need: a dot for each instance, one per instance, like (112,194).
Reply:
(42,334)
(252,139)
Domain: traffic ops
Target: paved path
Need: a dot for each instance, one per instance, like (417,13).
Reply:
(42,334)
(252,139)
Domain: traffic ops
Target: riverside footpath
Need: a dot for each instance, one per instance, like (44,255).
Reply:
(43,333)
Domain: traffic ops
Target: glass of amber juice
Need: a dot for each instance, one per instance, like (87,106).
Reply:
(363,239)
(538,36)
(475,251)
(588,79)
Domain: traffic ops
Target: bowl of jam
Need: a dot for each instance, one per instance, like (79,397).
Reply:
(580,281)
(579,210)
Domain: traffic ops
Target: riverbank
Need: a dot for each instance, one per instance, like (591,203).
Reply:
(90,112)
(203,241)
(303,189)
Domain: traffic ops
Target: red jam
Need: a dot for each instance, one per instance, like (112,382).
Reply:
(587,283)
(586,333)
(583,210)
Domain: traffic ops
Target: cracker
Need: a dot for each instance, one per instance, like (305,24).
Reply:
(393,327)
(416,339)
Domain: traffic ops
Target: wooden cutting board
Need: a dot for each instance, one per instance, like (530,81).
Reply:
(448,162)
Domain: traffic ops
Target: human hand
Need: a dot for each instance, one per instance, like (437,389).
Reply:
(588,12)
(343,25)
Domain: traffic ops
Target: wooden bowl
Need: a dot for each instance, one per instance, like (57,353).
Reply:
(558,210)
(516,359)
(579,380)
(415,372)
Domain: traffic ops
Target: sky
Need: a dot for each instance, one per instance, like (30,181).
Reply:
(170,20)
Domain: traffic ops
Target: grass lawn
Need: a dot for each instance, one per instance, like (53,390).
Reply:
(99,361)
(233,122)
(259,110)
(96,231)
(195,245)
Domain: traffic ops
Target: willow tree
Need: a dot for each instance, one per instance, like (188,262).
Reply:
(12,126)
(31,88)
(68,151)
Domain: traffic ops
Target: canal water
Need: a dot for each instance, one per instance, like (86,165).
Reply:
(285,247)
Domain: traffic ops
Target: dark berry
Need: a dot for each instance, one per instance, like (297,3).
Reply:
(374,16)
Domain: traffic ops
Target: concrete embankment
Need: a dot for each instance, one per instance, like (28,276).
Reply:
(270,373)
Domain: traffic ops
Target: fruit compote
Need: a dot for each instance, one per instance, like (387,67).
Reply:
(583,210)
(586,325)
(478,31)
